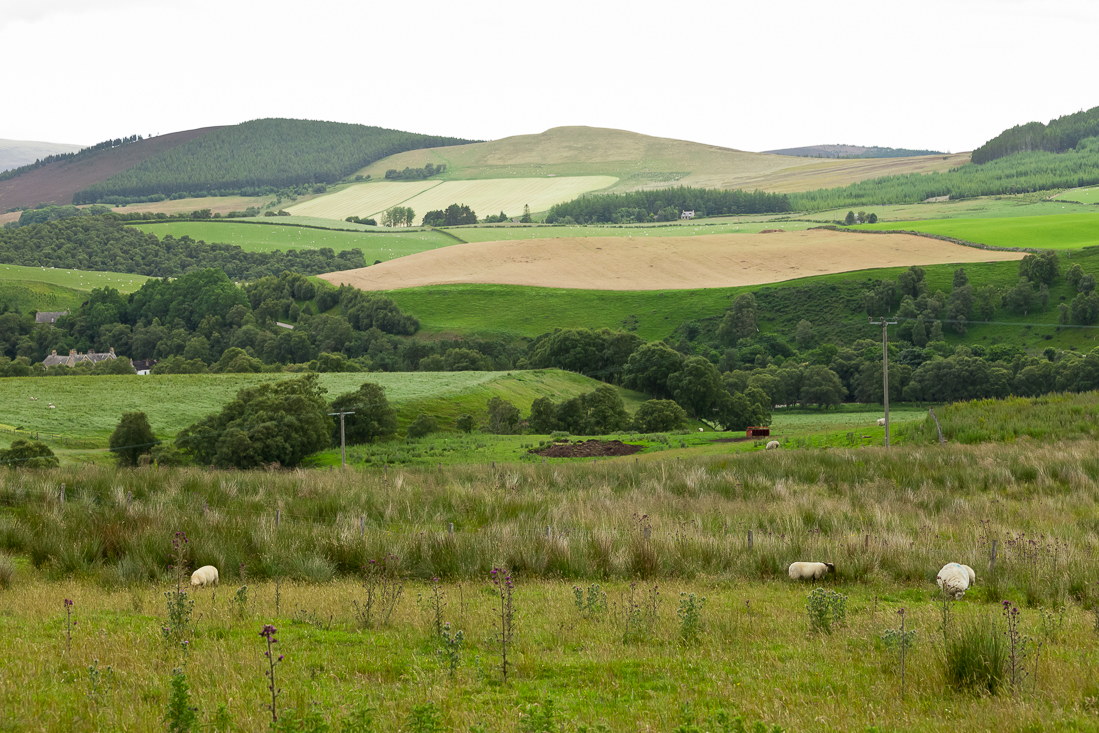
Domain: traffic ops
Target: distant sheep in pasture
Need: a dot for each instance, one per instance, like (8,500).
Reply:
(955,579)
(810,570)
(881,422)
(206,575)
(700,430)
(773,445)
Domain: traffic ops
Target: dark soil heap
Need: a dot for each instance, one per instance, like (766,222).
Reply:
(588,449)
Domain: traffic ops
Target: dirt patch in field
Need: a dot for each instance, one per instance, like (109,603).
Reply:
(644,262)
(741,439)
(589,449)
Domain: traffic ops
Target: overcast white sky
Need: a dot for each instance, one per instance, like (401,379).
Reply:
(750,75)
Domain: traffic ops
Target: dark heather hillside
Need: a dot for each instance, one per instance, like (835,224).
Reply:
(56,183)
(259,156)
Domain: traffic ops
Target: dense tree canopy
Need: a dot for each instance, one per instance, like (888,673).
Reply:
(261,153)
(271,423)
(105,243)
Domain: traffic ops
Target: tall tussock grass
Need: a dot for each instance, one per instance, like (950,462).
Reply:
(879,515)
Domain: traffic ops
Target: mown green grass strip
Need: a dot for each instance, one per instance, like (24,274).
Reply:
(1068,231)
(375,245)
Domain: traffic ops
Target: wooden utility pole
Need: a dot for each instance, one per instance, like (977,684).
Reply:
(343,443)
(885,323)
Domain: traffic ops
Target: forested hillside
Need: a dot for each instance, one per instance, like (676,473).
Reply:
(258,157)
(1061,134)
(1019,173)
(104,243)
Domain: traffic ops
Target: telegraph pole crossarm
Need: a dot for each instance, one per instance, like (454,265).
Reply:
(885,323)
(343,444)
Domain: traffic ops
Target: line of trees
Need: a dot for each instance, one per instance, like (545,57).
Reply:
(414,174)
(104,243)
(454,215)
(269,152)
(664,204)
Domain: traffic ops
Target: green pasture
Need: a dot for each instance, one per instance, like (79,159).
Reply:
(978,208)
(376,243)
(849,426)
(1073,230)
(1082,195)
(84,280)
(25,296)
(88,408)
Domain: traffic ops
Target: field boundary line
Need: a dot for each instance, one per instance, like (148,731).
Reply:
(940,237)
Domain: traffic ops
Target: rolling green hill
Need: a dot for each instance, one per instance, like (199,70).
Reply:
(642,161)
(90,407)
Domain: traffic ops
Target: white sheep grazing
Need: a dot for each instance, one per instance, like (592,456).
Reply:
(955,579)
(810,570)
(772,445)
(881,422)
(206,575)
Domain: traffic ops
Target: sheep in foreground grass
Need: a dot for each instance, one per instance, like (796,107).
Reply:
(773,445)
(881,422)
(955,579)
(810,570)
(206,575)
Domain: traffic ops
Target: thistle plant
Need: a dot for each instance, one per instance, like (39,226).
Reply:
(69,624)
(241,600)
(383,587)
(825,609)
(592,605)
(505,616)
(99,681)
(268,633)
(690,617)
(1019,645)
(180,606)
(436,602)
(180,716)
(451,649)
(902,640)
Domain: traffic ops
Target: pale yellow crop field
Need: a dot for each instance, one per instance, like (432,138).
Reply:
(362,199)
(490,196)
(661,262)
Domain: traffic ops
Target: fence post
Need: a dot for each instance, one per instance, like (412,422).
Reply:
(992,558)
(451,528)
(866,543)
(749,539)
(549,533)
(129,498)
(278,517)
(648,532)
(62,493)
(362,525)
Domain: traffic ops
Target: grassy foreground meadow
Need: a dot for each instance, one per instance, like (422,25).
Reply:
(639,599)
